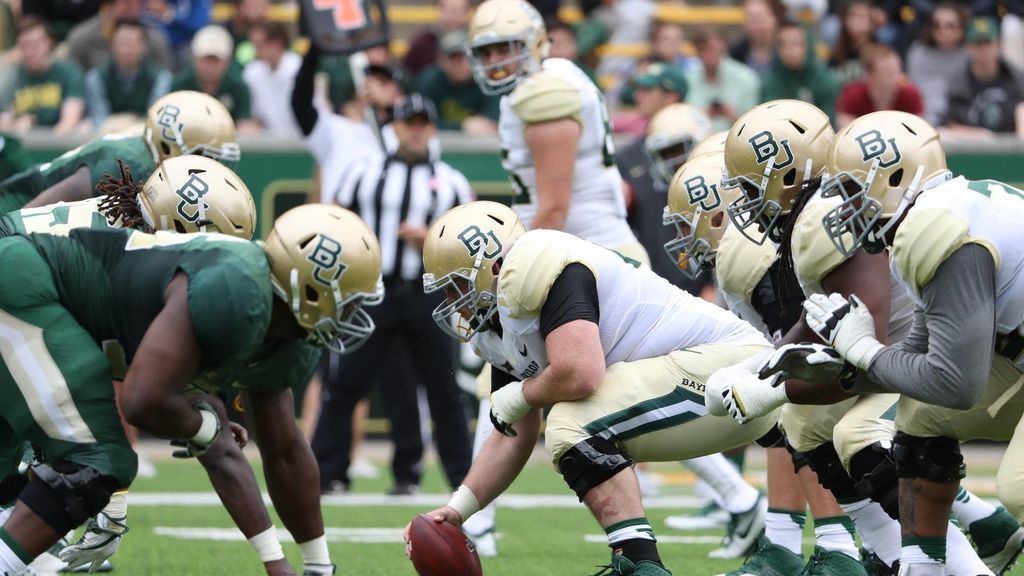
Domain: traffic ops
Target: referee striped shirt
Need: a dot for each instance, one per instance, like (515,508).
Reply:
(387,192)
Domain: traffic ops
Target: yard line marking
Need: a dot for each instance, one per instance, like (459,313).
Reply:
(510,501)
(356,535)
(671,539)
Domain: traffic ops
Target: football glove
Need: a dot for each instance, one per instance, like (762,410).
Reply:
(190,446)
(813,363)
(99,542)
(737,391)
(508,407)
(317,569)
(846,324)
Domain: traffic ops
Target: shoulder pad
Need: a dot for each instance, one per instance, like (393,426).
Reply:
(529,270)
(546,96)
(814,254)
(925,239)
(740,264)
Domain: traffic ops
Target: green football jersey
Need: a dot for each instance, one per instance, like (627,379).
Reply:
(113,281)
(100,156)
(59,219)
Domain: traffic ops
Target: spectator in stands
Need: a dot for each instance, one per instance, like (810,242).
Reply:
(89,43)
(654,87)
(856,32)
(181,20)
(938,57)
(564,45)
(449,83)
(48,91)
(248,13)
(667,46)
(756,47)
(616,22)
(270,78)
(720,86)
(212,71)
(884,87)
(987,97)
(423,47)
(128,83)
(797,73)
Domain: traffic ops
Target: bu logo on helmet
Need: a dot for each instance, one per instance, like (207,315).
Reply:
(168,121)
(326,259)
(701,194)
(476,240)
(191,194)
(766,148)
(873,145)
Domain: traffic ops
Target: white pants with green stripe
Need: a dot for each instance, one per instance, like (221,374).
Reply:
(654,409)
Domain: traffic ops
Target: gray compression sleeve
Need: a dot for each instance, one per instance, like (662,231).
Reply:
(959,319)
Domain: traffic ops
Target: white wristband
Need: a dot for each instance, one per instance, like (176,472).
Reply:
(464,502)
(207,430)
(315,551)
(863,351)
(266,545)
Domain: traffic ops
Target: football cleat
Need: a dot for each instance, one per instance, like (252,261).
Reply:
(832,563)
(999,540)
(709,517)
(743,531)
(770,559)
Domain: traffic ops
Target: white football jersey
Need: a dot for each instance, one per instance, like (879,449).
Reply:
(958,212)
(597,210)
(642,315)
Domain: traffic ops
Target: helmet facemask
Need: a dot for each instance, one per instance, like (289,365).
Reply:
(691,254)
(519,56)
(479,306)
(667,155)
(351,325)
(753,208)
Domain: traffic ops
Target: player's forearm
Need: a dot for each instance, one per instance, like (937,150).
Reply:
(293,481)
(550,217)
(235,483)
(502,459)
(162,415)
(556,384)
(77,186)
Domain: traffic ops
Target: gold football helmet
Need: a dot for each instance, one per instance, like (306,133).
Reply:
(325,264)
(459,255)
(770,152)
(197,194)
(696,207)
(714,144)
(188,122)
(879,164)
(671,135)
(515,24)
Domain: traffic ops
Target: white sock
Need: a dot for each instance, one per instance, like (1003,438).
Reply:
(968,508)
(632,529)
(923,557)
(960,555)
(482,521)
(876,527)
(715,469)
(835,534)
(10,561)
(315,551)
(785,528)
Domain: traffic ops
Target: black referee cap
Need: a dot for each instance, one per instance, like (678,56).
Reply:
(415,105)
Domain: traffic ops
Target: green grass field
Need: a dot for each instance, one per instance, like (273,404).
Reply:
(178,529)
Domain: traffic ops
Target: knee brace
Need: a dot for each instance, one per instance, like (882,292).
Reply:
(799,460)
(831,475)
(591,462)
(10,486)
(937,459)
(774,438)
(66,494)
(874,476)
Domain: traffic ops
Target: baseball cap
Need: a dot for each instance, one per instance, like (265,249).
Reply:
(452,42)
(415,105)
(659,75)
(213,40)
(982,29)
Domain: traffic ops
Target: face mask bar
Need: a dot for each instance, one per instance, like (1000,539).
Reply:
(691,254)
(353,326)
(481,72)
(447,315)
(665,167)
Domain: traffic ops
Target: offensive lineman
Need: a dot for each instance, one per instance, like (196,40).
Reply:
(618,353)
(165,304)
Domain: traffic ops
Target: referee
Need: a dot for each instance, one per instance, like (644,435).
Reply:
(399,194)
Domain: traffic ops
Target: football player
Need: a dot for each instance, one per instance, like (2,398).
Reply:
(618,353)
(847,443)
(183,122)
(751,281)
(209,310)
(954,246)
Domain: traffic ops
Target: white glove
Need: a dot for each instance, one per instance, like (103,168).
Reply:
(813,363)
(508,406)
(738,392)
(317,569)
(845,324)
(99,542)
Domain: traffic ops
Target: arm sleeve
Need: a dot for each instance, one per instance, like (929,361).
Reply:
(959,315)
(573,296)
(302,93)
(500,379)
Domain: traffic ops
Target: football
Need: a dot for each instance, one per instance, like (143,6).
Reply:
(441,549)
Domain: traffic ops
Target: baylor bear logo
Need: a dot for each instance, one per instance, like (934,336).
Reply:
(191,194)
(873,145)
(766,148)
(326,259)
(476,241)
(700,194)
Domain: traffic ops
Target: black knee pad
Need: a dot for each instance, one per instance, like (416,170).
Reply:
(937,459)
(799,460)
(874,476)
(65,494)
(774,438)
(590,463)
(831,475)
(10,486)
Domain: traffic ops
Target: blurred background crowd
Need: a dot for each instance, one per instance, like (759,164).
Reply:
(94,66)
